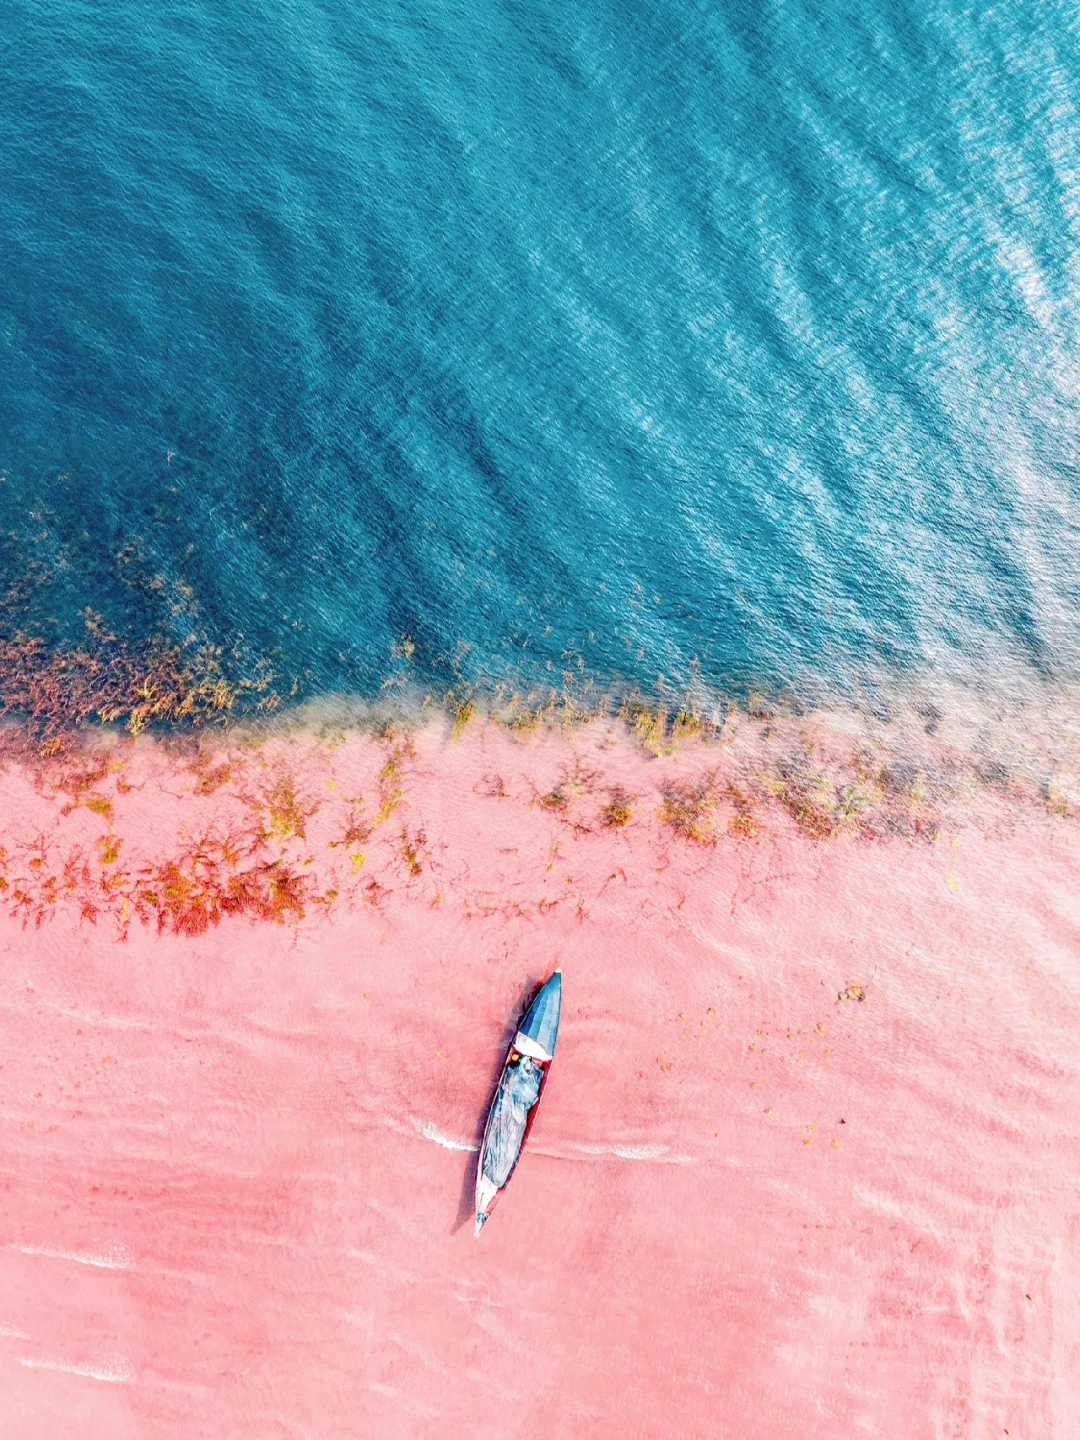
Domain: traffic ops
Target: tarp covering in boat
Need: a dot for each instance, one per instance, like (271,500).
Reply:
(518,1092)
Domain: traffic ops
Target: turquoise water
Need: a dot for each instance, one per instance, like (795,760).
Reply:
(726,345)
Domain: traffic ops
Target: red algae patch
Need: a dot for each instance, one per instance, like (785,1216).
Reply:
(804,1167)
(283,829)
(53,690)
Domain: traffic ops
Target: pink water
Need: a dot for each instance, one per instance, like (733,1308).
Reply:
(806,1166)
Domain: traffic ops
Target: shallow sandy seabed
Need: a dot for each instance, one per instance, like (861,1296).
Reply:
(806,1165)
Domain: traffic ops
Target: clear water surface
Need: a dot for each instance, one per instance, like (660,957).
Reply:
(733,343)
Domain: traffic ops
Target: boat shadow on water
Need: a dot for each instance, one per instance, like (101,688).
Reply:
(466,1211)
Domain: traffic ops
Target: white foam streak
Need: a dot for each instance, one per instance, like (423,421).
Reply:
(111,1257)
(429,1132)
(660,1154)
(114,1372)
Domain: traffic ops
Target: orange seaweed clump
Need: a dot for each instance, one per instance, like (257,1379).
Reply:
(56,690)
(288,813)
(619,810)
(36,892)
(650,728)
(463,713)
(687,808)
(411,850)
(391,782)
(855,797)
(191,893)
(810,801)
(744,824)
(211,777)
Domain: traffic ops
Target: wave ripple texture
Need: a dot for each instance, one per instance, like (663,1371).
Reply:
(670,345)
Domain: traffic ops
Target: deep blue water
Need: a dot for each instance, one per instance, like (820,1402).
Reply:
(737,341)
